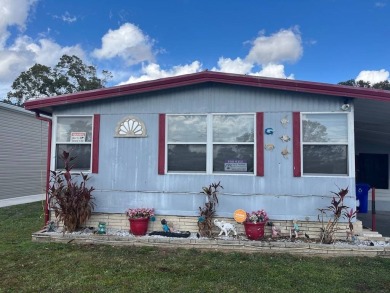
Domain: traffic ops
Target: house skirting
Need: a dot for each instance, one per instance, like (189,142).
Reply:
(186,223)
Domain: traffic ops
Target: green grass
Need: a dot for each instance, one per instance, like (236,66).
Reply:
(48,267)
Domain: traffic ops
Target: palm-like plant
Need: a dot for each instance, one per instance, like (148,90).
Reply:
(71,201)
(207,213)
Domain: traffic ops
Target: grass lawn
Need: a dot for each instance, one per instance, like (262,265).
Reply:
(36,267)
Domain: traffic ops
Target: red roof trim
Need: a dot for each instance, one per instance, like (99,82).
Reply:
(210,76)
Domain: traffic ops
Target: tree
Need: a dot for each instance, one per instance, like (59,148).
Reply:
(70,75)
(383,85)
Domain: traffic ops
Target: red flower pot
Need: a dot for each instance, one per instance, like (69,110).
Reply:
(254,231)
(139,226)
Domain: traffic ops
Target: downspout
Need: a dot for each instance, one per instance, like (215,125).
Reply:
(47,164)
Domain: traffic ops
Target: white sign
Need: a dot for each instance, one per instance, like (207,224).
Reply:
(77,136)
(236,166)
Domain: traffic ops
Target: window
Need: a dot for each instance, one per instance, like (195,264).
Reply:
(74,135)
(325,144)
(212,143)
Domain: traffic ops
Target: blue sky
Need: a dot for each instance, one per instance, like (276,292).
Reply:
(322,41)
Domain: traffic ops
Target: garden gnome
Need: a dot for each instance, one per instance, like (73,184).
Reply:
(294,229)
(165,226)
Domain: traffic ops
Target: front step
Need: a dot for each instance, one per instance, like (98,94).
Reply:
(367,234)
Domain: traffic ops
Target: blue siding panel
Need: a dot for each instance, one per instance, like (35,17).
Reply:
(128,166)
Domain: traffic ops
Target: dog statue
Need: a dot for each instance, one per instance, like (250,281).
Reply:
(225,228)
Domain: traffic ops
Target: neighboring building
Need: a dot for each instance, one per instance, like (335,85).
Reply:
(277,144)
(23,150)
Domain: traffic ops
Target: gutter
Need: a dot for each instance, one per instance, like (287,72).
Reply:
(49,134)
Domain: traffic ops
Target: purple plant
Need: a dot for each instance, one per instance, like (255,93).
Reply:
(336,210)
(72,202)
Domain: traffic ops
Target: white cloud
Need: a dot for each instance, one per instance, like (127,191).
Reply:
(48,52)
(273,70)
(128,42)
(237,65)
(267,52)
(153,71)
(285,45)
(373,76)
(13,12)
(66,17)
(12,63)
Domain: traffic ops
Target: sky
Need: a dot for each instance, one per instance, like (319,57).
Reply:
(136,40)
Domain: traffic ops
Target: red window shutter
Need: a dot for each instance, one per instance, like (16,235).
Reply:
(297,144)
(260,143)
(95,143)
(161,144)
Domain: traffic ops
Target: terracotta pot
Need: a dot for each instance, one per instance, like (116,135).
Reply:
(254,231)
(139,227)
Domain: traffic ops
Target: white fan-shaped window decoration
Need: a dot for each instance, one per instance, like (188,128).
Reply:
(130,127)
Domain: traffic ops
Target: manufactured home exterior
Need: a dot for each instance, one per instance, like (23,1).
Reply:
(23,149)
(278,145)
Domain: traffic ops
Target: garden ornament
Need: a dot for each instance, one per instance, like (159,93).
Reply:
(225,228)
(284,121)
(165,226)
(269,131)
(294,229)
(276,231)
(285,138)
(51,227)
(285,153)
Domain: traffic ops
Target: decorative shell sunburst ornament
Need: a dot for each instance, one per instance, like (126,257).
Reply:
(285,153)
(285,138)
(131,127)
(284,121)
(269,146)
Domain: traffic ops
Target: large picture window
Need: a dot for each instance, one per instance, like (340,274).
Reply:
(74,135)
(212,143)
(325,144)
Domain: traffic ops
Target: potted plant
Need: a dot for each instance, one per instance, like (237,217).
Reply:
(139,220)
(254,224)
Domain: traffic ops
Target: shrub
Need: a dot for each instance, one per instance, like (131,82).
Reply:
(336,210)
(71,201)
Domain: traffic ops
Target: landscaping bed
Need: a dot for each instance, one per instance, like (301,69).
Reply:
(301,246)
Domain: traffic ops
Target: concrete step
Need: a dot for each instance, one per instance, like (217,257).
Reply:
(368,234)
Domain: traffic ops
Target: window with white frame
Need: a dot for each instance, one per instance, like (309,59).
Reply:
(74,135)
(324,143)
(212,143)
